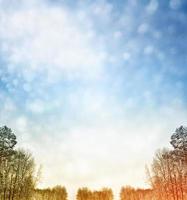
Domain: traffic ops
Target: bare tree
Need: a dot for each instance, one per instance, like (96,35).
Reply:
(56,193)
(130,193)
(86,194)
(17,179)
(168,175)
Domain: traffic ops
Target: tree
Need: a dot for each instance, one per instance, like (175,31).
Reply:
(179,143)
(17,179)
(86,194)
(7,141)
(60,193)
(168,175)
(106,194)
(127,193)
(179,138)
(130,193)
(55,193)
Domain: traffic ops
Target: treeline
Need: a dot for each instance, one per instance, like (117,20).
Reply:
(86,194)
(56,193)
(60,193)
(167,175)
(130,193)
(126,193)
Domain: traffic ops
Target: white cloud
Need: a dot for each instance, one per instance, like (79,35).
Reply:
(118,34)
(174,4)
(21,124)
(157,34)
(36,106)
(148,49)
(152,6)
(102,9)
(143,28)
(49,39)
(126,56)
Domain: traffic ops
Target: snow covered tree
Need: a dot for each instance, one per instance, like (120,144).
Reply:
(179,143)
(7,141)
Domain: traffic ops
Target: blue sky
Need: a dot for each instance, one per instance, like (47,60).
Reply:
(97,86)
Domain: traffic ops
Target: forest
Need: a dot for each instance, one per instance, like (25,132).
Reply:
(167,174)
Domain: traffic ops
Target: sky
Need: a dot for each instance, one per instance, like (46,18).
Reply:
(93,88)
